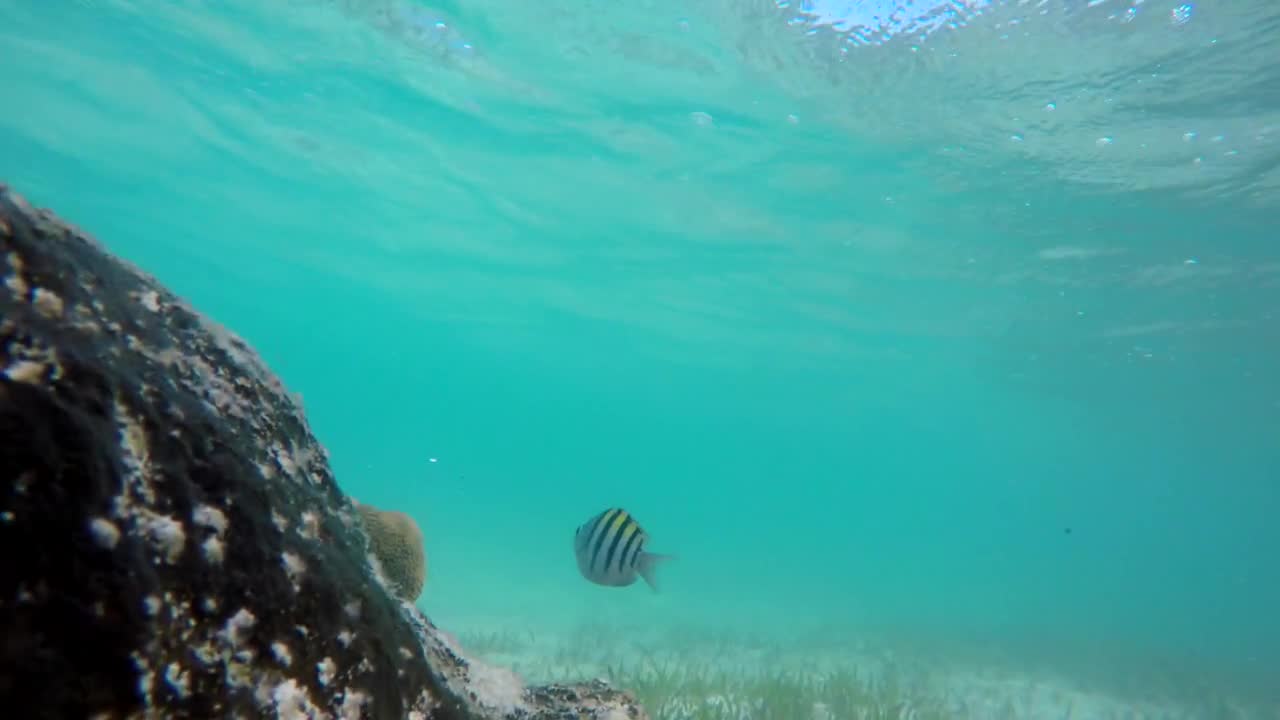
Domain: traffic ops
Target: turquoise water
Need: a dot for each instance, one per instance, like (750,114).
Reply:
(955,330)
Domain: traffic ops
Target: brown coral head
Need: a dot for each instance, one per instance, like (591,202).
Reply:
(396,540)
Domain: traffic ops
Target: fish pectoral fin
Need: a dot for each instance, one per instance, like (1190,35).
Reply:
(646,564)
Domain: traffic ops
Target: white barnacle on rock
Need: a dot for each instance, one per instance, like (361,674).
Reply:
(237,626)
(281,653)
(353,702)
(151,605)
(294,567)
(310,525)
(205,653)
(178,679)
(146,678)
(209,603)
(208,516)
(25,371)
(167,536)
(213,549)
(345,637)
(135,455)
(104,532)
(423,706)
(293,703)
(280,521)
(284,460)
(302,630)
(14,280)
(352,609)
(325,670)
(47,303)
(150,300)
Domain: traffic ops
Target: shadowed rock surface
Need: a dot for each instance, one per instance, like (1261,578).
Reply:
(174,543)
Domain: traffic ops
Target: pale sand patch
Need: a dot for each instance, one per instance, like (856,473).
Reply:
(676,673)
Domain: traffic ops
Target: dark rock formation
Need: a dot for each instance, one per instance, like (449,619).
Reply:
(172,541)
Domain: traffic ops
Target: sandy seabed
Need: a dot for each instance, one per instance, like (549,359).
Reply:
(689,674)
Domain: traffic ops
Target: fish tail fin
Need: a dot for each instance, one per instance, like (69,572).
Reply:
(646,564)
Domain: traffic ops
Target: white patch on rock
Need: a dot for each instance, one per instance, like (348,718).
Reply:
(495,687)
(135,455)
(25,371)
(353,702)
(205,653)
(150,300)
(294,567)
(352,609)
(281,653)
(424,705)
(47,303)
(375,568)
(14,281)
(293,703)
(237,626)
(208,516)
(280,521)
(285,460)
(325,670)
(345,637)
(310,526)
(178,679)
(151,605)
(167,536)
(214,549)
(146,678)
(104,532)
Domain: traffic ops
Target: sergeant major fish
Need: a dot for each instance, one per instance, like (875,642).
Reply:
(610,550)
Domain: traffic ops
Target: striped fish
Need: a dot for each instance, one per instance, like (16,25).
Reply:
(610,550)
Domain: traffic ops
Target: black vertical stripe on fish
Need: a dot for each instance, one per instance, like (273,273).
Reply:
(634,560)
(593,530)
(627,559)
(611,532)
(617,539)
(606,524)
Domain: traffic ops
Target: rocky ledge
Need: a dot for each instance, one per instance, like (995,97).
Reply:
(174,543)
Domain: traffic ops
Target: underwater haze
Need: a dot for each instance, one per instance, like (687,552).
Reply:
(940,335)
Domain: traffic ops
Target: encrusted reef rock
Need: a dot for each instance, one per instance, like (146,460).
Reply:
(172,541)
(398,546)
